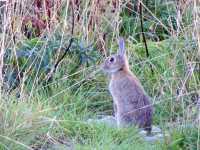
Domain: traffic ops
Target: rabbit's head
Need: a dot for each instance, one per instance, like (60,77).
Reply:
(116,62)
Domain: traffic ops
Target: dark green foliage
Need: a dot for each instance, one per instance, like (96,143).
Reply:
(34,58)
(156,26)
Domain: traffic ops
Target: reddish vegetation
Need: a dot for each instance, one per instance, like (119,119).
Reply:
(44,11)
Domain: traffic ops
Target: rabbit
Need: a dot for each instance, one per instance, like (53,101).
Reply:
(132,105)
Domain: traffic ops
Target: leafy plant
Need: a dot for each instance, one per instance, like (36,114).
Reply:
(35,58)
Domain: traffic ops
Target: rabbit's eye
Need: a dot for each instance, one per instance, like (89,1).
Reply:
(111,59)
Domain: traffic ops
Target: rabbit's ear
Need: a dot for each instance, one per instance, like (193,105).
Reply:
(122,50)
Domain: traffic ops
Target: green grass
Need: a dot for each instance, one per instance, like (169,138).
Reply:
(61,115)
(23,125)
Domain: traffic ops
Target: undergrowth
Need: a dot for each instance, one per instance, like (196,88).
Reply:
(37,112)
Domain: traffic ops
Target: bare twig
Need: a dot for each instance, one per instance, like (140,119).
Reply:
(143,35)
(53,70)
(142,28)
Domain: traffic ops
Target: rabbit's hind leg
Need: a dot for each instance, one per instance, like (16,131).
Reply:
(125,120)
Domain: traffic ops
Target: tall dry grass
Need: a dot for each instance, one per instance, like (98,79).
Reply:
(101,23)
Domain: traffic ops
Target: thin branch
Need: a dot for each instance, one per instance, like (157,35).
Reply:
(143,35)
(53,70)
(142,28)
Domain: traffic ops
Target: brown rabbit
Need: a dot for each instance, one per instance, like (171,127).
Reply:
(131,103)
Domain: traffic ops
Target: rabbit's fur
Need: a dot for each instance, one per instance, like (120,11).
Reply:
(131,103)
